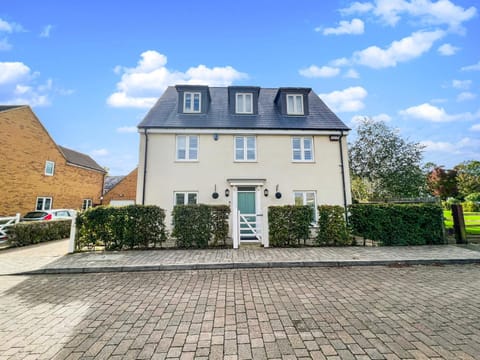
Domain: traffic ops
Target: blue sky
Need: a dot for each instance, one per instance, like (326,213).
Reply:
(92,69)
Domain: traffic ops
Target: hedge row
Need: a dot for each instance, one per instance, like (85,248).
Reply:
(118,228)
(398,224)
(288,225)
(332,228)
(200,226)
(27,233)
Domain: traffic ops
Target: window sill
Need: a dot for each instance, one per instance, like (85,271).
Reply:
(187,161)
(245,161)
(303,161)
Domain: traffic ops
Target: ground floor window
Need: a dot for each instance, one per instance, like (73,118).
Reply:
(307,198)
(185,197)
(87,203)
(43,203)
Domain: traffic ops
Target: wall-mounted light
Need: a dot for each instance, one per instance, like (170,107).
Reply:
(334,137)
(227,192)
(215,193)
(278,194)
(215,137)
(265,192)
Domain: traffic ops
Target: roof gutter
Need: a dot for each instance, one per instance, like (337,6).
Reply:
(145,166)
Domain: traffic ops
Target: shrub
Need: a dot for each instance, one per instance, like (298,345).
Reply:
(289,224)
(199,225)
(398,224)
(470,206)
(26,233)
(447,204)
(332,228)
(117,228)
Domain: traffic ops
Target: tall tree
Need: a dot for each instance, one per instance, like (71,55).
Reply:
(468,177)
(388,165)
(442,183)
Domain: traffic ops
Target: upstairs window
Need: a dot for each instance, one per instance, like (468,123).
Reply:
(295,104)
(245,148)
(244,103)
(302,149)
(187,148)
(49,168)
(192,102)
(185,198)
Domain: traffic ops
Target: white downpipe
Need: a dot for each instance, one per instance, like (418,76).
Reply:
(71,243)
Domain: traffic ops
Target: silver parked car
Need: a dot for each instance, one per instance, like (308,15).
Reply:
(54,214)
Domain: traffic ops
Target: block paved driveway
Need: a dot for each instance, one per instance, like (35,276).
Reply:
(416,312)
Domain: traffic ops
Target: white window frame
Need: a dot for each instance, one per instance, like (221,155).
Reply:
(191,109)
(245,149)
(303,149)
(187,147)
(244,97)
(185,197)
(86,204)
(49,164)
(304,202)
(295,110)
(44,200)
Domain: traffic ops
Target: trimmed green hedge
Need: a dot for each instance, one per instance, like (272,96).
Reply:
(288,225)
(398,224)
(27,233)
(332,228)
(118,228)
(200,226)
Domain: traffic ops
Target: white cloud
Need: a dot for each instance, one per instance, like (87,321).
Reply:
(461,84)
(357,8)
(441,12)
(357,119)
(439,146)
(432,113)
(347,100)
(475,67)
(100,152)
(46,31)
(18,85)
(5,45)
(314,71)
(447,50)
(402,50)
(141,86)
(465,146)
(475,127)
(354,27)
(340,62)
(10,27)
(465,96)
(382,117)
(352,74)
(127,129)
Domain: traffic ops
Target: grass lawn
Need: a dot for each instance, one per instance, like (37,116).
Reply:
(472,221)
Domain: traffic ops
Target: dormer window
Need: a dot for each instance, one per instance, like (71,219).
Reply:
(244,103)
(192,102)
(295,104)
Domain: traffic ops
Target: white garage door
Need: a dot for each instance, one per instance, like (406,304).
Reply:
(122,202)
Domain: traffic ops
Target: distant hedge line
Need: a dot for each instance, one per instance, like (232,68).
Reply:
(27,233)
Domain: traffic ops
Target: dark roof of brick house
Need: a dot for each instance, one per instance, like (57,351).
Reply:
(111,181)
(9,107)
(165,115)
(79,159)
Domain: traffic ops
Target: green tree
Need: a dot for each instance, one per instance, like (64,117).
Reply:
(468,177)
(387,164)
(442,183)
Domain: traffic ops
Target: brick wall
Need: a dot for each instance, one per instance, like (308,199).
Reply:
(26,146)
(126,189)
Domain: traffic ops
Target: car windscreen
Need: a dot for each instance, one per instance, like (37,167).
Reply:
(35,215)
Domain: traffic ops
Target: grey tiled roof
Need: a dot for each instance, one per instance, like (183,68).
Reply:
(111,181)
(9,107)
(164,114)
(76,158)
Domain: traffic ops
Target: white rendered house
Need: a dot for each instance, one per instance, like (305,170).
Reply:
(246,147)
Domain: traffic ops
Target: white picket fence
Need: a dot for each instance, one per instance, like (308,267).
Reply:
(5,223)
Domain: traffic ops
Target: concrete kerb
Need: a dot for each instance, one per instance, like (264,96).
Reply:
(249,265)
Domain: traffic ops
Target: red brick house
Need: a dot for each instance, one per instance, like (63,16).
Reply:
(123,190)
(36,173)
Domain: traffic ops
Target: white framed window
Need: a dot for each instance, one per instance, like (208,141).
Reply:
(294,104)
(307,198)
(43,203)
(87,203)
(192,102)
(185,197)
(302,148)
(244,103)
(245,148)
(49,168)
(187,148)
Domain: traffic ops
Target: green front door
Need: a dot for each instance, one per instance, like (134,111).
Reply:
(247,209)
